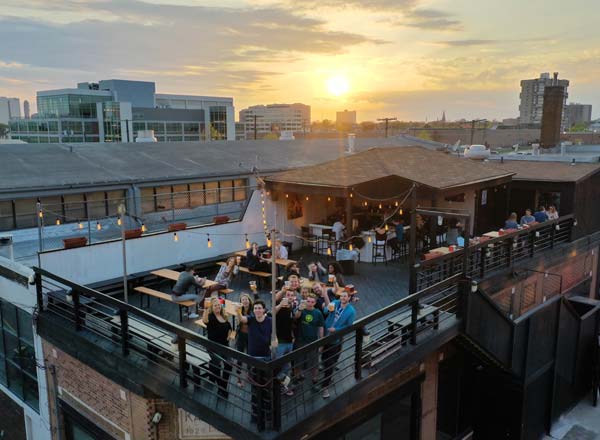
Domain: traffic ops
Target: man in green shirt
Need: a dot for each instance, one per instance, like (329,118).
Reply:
(312,324)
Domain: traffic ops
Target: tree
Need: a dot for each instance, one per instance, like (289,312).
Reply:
(582,126)
(367,126)
(3,130)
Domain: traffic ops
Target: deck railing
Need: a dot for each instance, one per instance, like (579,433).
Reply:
(207,372)
(497,253)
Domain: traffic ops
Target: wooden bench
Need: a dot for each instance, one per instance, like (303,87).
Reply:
(165,296)
(173,275)
(257,273)
(152,340)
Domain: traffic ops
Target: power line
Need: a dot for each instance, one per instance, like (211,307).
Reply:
(387,120)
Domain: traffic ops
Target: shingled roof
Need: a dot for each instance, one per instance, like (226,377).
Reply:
(431,168)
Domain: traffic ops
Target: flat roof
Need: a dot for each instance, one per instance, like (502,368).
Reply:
(431,168)
(50,166)
(548,171)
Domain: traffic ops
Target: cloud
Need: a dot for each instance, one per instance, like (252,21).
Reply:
(429,19)
(465,43)
(370,5)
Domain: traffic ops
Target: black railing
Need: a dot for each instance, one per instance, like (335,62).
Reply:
(496,253)
(207,372)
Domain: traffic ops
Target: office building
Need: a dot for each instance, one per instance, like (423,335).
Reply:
(9,108)
(346,118)
(106,112)
(261,120)
(532,99)
(578,114)
(26,109)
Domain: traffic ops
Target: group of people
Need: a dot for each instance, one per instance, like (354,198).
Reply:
(303,315)
(539,216)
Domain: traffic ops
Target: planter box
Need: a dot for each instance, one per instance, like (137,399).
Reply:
(74,242)
(177,227)
(133,233)
(220,219)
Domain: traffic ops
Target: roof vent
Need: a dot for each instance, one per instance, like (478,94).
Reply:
(145,136)
(6,247)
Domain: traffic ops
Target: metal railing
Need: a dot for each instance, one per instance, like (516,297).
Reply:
(346,358)
(496,253)
(98,221)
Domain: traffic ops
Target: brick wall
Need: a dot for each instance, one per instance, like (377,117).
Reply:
(122,414)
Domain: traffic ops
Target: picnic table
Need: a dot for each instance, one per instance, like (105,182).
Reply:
(279,261)
(173,275)
(304,282)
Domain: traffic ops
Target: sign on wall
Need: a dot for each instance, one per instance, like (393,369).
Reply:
(192,428)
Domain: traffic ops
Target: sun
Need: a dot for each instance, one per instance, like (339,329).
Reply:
(338,85)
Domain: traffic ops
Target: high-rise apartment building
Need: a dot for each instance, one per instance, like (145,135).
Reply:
(532,98)
(345,118)
(578,114)
(275,118)
(9,108)
(116,110)
(26,109)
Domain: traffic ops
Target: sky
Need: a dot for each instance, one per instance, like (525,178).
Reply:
(410,59)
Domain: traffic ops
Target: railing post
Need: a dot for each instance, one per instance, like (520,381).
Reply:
(260,401)
(76,309)
(483,259)
(39,292)
(181,345)
(553,235)
(509,251)
(413,322)
(358,344)
(124,332)
(532,238)
(276,399)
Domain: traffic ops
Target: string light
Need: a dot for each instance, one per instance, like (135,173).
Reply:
(366,203)
(269,242)
(262,201)
(369,239)
(351,195)
(175,237)
(329,199)
(144,228)
(80,225)
(119,221)
(268,192)
(208,242)
(401,212)
(98,226)
(247,242)
(350,247)
(57,222)
(287,196)
(380,206)
(329,251)
(307,198)
(396,204)
(387,228)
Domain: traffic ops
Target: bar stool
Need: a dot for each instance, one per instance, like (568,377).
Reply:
(308,238)
(378,252)
(326,241)
(399,250)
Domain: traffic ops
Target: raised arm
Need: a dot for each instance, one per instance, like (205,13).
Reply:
(205,316)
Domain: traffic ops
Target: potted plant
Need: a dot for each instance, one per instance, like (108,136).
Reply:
(133,233)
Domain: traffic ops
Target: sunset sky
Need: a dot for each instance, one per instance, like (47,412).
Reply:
(406,58)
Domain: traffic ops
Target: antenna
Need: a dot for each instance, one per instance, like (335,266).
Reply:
(387,120)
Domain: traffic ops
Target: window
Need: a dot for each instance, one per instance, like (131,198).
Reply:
(181,197)
(211,192)
(96,205)
(191,128)
(74,207)
(158,127)
(240,189)
(17,355)
(196,194)
(218,123)
(163,198)
(173,127)
(25,212)
(226,191)
(147,195)
(6,215)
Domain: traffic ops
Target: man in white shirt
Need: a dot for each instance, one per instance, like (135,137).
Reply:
(338,228)
(281,250)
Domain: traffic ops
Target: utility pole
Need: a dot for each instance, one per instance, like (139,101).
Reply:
(473,122)
(387,120)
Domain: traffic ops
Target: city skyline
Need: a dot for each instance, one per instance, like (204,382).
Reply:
(411,59)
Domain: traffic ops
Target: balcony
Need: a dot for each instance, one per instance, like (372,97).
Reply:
(133,347)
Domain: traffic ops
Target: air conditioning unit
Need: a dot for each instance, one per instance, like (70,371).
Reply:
(6,247)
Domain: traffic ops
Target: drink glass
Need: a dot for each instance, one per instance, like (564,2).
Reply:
(331,307)
(287,284)
(207,303)
(331,279)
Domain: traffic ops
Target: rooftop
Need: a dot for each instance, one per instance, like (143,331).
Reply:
(431,168)
(550,172)
(45,166)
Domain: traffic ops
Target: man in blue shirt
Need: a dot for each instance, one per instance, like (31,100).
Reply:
(339,314)
(527,218)
(541,215)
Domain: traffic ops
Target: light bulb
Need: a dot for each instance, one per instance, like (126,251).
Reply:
(268,242)
(329,199)
(387,228)
(380,206)
(247,243)
(329,251)
(351,195)
(144,228)
(287,196)
(401,212)
(268,192)
(350,247)
(80,225)
(57,222)
(396,204)
(306,197)
(119,221)
(98,226)
(366,203)
(175,237)
(41,214)
(208,242)
(369,239)
(262,201)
